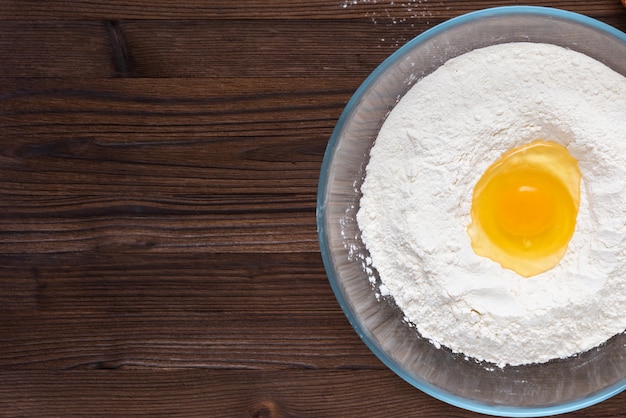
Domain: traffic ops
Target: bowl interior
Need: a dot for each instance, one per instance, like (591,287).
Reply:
(530,390)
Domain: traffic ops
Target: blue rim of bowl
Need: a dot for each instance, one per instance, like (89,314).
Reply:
(435,392)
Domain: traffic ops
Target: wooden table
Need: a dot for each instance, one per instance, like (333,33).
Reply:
(158,177)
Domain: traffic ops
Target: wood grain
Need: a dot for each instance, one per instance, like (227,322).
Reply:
(158,175)
(217,393)
(319,48)
(209,48)
(233,311)
(73,49)
(191,48)
(230,393)
(269,9)
(168,164)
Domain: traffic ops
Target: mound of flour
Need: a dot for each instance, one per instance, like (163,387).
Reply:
(417,192)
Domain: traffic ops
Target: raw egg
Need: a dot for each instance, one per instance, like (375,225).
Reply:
(524,208)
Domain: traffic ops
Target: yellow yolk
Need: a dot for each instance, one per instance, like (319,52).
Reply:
(524,208)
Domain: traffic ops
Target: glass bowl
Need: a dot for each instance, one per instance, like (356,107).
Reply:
(550,388)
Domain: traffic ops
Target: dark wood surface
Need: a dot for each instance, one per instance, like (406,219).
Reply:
(158,175)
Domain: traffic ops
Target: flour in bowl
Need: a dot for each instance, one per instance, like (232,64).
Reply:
(417,196)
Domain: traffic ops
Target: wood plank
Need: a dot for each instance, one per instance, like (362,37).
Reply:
(206,48)
(232,393)
(190,221)
(256,9)
(254,48)
(167,165)
(234,311)
(214,393)
(47,48)
(167,111)
(276,231)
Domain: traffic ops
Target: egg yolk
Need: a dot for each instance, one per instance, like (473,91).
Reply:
(524,208)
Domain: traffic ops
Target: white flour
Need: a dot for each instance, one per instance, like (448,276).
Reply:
(417,193)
